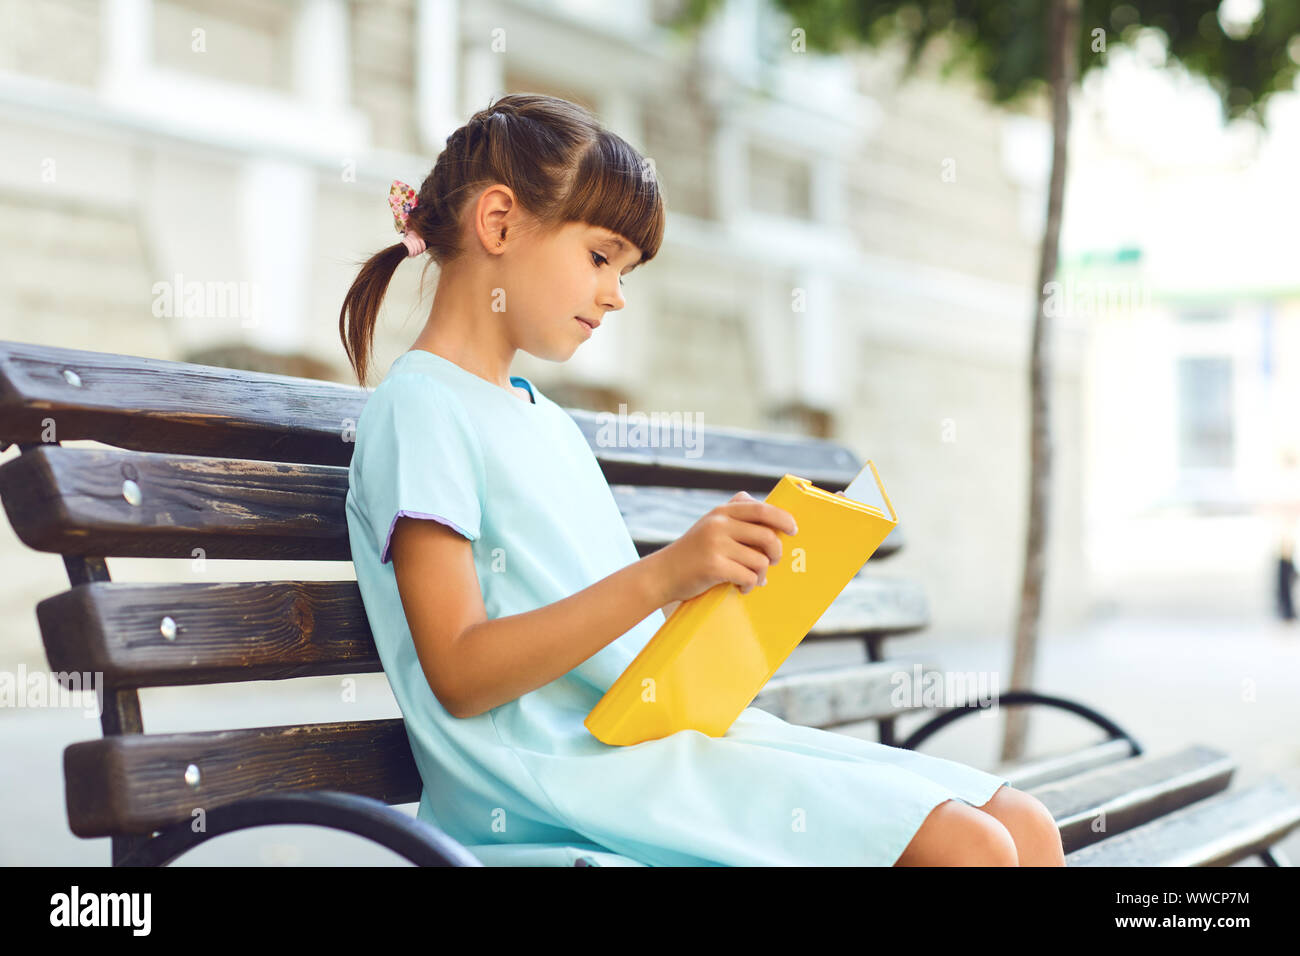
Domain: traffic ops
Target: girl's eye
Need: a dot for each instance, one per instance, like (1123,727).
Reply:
(602,261)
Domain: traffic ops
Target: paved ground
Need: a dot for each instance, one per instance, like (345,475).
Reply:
(1222,681)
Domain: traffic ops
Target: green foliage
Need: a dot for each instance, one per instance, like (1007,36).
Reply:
(1004,42)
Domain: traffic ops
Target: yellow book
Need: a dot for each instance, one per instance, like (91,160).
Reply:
(716,651)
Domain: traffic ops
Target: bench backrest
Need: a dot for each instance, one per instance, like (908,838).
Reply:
(220,463)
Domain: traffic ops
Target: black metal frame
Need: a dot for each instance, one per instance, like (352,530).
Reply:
(375,820)
(946,717)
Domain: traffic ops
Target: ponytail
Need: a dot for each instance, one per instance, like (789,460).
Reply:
(363,301)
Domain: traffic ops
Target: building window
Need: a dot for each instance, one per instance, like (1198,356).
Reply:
(235,42)
(799,418)
(1205,414)
(779,185)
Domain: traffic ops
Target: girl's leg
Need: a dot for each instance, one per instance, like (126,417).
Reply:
(1036,835)
(955,834)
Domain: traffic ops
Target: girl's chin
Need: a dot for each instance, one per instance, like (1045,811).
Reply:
(556,352)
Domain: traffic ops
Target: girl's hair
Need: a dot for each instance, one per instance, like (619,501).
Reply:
(563,167)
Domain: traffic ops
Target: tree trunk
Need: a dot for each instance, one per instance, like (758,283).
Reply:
(1063,32)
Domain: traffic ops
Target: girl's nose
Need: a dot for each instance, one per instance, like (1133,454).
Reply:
(614,300)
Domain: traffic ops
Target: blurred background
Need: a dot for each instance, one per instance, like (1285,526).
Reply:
(249,144)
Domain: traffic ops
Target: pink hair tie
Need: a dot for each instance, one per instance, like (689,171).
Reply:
(414,244)
(401,199)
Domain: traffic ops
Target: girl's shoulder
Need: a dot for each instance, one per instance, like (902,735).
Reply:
(410,406)
(413,386)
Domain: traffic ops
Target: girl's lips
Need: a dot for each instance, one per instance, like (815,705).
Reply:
(585,324)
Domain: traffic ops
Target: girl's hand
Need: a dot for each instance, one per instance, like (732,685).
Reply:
(734,543)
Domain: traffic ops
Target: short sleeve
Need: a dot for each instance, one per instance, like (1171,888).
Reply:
(417,456)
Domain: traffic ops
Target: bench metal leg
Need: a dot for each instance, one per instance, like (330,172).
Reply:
(1273,856)
(413,839)
(887,730)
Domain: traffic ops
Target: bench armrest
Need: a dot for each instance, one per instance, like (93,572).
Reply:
(417,841)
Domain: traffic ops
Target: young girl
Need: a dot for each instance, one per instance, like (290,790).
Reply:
(503,588)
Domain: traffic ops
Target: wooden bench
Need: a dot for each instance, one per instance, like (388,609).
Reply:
(228,464)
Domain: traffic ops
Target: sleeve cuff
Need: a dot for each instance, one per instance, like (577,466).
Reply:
(388,540)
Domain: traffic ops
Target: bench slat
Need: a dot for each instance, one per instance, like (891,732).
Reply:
(73,501)
(135,783)
(839,695)
(1132,792)
(1032,773)
(221,632)
(1218,831)
(163,406)
(262,630)
(659,516)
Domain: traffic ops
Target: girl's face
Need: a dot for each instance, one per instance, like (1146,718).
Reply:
(558,279)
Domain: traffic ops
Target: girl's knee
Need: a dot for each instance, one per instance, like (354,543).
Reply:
(993,844)
(955,834)
(1031,824)
(1021,812)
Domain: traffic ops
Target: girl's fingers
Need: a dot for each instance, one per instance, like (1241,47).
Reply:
(753,559)
(760,538)
(760,512)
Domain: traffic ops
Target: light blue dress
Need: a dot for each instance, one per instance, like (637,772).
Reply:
(526,783)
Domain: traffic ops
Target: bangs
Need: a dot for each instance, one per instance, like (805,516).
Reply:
(612,191)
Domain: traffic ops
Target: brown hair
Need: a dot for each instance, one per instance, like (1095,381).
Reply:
(562,165)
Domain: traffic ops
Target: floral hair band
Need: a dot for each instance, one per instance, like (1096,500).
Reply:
(401,199)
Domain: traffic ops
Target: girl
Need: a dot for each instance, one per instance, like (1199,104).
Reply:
(503,589)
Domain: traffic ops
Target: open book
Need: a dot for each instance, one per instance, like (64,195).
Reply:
(716,651)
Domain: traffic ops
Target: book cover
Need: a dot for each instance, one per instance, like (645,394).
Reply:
(716,651)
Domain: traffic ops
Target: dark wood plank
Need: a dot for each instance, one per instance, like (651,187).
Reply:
(1218,831)
(157,405)
(159,635)
(176,407)
(1104,801)
(137,783)
(712,457)
(658,516)
(77,501)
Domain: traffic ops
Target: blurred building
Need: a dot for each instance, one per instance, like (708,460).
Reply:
(846,255)
(1183,271)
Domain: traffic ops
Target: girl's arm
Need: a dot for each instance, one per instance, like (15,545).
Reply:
(474,664)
